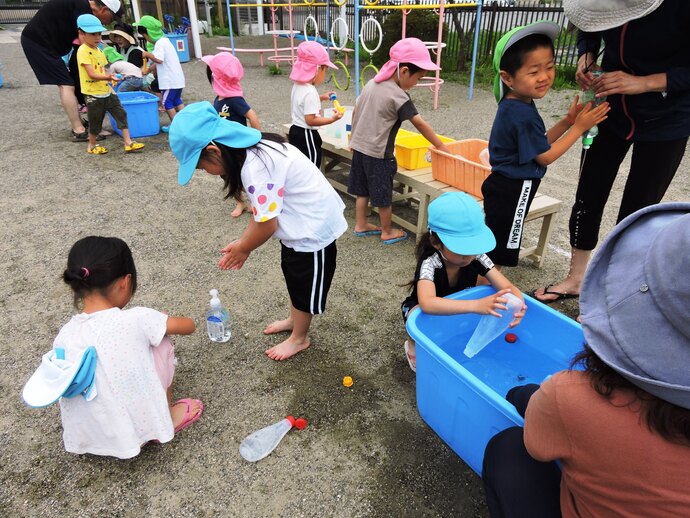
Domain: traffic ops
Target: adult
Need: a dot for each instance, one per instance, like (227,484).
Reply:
(646,79)
(122,36)
(49,36)
(621,427)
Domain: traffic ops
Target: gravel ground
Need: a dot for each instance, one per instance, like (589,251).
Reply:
(366,452)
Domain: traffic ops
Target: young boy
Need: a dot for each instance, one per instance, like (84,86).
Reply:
(132,76)
(94,80)
(170,76)
(520,148)
(380,110)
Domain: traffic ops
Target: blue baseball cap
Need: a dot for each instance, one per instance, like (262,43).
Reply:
(89,23)
(198,125)
(458,221)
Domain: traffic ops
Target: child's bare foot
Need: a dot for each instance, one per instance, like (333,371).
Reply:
(368,228)
(279,326)
(397,235)
(239,209)
(288,348)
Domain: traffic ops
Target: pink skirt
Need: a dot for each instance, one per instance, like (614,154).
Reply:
(164,361)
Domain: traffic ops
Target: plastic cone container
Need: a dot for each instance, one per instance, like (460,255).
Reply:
(463,168)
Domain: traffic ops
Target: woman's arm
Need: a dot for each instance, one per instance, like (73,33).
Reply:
(179,326)
(255,235)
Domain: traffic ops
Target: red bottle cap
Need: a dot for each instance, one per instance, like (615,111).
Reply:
(300,423)
(511,338)
(291,419)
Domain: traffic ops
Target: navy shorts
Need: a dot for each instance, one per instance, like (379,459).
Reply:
(172,98)
(506,204)
(308,276)
(373,178)
(48,68)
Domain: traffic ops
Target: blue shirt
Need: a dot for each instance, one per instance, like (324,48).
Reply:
(517,137)
(232,108)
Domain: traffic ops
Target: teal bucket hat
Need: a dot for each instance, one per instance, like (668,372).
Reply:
(549,29)
(458,221)
(198,125)
(153,26)
(90,24)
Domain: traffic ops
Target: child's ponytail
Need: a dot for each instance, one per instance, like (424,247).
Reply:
(95,262)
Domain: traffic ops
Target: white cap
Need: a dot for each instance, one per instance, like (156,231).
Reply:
(113,5)
(53,376)
(215,301)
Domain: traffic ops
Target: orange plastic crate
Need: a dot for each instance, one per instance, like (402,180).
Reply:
(463,168)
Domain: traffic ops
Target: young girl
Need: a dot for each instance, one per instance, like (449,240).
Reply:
(224,72)
(135,360)
(292,201)
(450,258)
(308,71)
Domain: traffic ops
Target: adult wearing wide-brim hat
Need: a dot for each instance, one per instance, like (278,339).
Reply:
(122,36)
(647,83)
(620,428)
(49,36)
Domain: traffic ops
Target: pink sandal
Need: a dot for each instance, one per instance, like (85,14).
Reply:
(188,417)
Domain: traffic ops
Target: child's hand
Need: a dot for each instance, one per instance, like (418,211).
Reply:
(589,116)
(326,96)
(518,316)
(233,256)
(337,115)
(575,108)
(489,305)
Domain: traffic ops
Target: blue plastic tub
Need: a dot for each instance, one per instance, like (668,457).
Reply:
(462,399)
(181,44)
(142,114)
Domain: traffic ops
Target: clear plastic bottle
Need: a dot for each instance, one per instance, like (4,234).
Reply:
(261,443)
(217,320)
(588,136)
(490,326)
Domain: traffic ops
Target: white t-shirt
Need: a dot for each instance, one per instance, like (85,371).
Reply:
(131,407)
(283,183)
(125,68)
(304,100)
(170,75)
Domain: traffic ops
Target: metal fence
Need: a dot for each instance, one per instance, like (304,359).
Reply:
(18,12)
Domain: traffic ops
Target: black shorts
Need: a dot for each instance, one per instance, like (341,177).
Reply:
(373,178)
(308,276)
(308,141)
(96,108)
(48,68)
(506,204)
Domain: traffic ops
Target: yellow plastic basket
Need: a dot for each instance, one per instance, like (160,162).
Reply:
(411,149)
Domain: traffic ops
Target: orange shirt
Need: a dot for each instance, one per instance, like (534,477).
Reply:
(613,465)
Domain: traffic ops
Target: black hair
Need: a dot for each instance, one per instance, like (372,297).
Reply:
(233,160)
(411,67)
(668,420)
(142,30)
(209,74)
(514,57)
(426,247)
(124,27)
(95,262)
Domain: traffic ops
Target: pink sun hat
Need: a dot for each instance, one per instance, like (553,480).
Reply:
(310,55)
(408,50)
(227,74)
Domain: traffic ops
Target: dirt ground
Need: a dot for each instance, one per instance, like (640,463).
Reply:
(366,451)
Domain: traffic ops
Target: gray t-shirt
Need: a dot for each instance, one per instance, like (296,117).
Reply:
(380,110)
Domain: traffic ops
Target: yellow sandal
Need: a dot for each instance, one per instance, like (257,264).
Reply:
(96,150)
(134,146)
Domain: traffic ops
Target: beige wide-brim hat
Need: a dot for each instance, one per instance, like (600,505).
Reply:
(126,36)
(600,15)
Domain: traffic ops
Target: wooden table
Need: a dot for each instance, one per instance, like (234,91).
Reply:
(419,185)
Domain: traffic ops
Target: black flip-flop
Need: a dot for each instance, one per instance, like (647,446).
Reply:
(559,295)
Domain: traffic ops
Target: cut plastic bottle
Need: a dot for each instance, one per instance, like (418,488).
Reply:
(490,326)
(261,443)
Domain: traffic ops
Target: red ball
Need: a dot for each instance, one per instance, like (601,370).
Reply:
(511,338)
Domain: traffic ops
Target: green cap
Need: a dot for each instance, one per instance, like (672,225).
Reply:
(112,55)
(153,27)
(550,29)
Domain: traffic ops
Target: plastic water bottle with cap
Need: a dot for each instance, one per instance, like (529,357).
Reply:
(490,326)
(261,443)
(217,320)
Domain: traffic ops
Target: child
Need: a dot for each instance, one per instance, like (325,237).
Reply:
(292,201)
(380,110)
(135,362)
(224,72)
(98,95)
(131,77)
(520,148)
(450,258)
(169,71)
(308,71)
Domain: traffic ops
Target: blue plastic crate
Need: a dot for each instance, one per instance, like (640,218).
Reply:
(463,399)
(181,44)
(142,114)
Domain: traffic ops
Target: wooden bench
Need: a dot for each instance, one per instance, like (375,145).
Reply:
(419,185)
